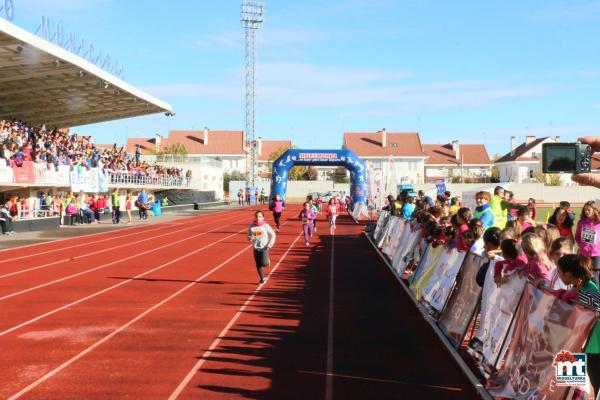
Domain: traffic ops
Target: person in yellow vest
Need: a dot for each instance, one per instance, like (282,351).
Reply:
(116,205)
(500,207)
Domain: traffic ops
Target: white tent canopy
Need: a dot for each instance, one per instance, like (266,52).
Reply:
(43,83)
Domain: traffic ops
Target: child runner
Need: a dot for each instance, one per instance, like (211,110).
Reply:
(278,206)
(332,213)
(307,216)
(538,263)
(532,208)
(586,236)
(524,218)
(262,237)
(563,222)
(560,247)
(514,260)
(576,270)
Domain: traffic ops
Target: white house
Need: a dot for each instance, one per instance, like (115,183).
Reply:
(225,146)
(469,162)
(524,162)
(398,156)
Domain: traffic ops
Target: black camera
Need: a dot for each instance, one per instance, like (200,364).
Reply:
(566,157)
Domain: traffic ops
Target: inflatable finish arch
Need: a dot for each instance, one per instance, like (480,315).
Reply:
(344,158)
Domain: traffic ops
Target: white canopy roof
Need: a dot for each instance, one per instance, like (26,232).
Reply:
(41,82)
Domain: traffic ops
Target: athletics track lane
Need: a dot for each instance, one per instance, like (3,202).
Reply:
(108,270)
(276,349)
(380,347)
(71,328)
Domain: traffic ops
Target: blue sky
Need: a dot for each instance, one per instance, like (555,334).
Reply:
(477,71)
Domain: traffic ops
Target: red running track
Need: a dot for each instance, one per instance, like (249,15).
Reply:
(174,311)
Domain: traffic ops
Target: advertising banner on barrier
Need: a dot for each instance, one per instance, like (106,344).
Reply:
(544,327)
(456,317)
(438,289)
(24,173)
(380,241)
(380,223)
(62,175)
(407,251)
(6,174)
(102,181)
(432,257)
(498,305)
(401,248)
(85,179)
(394,237)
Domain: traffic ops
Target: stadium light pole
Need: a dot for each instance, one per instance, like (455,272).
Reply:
(252,17)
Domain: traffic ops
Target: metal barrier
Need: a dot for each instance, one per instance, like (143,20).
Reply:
(127,178)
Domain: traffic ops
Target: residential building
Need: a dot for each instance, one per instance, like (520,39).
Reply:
(399,157)
(226,146)
(523,164)
(463,162)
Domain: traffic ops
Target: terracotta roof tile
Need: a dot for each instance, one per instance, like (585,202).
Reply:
(520,150)
(368,144)
(442,154)
(219,142)
(270,146)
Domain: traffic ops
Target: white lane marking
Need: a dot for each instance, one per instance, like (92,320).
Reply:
(100,233)
(223,333)
(329,378)
(14,328)
(89,254)
(121,328)
(112,262)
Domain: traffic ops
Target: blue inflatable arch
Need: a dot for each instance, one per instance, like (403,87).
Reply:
(344,158)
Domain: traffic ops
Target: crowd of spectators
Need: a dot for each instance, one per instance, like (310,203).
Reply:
(561,255)
(20,142)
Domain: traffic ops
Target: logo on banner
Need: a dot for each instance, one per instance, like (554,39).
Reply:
(571,368)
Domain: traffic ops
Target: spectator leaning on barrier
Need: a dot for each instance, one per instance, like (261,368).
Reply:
(483,210)
(423,197)
(587,236)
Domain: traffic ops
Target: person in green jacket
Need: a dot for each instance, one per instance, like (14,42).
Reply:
(576,270)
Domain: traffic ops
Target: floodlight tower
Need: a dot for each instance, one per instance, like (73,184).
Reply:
(252,17)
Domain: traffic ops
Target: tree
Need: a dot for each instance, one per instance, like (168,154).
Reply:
(297,173)
(176,149)
(341,175)
(495,169)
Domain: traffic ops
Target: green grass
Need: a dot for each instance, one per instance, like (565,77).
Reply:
(541,214)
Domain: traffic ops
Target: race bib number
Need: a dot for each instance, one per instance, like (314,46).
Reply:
(257,232)
(305,220)
(588,236)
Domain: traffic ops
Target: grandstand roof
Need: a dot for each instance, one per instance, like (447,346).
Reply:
(442,154)
(369,144)
(44,83)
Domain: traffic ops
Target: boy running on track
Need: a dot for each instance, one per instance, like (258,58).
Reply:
(278,206)
(262,237)
(332,213)
(307,216)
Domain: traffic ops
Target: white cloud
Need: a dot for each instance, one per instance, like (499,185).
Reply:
(269,38)
(312,86)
